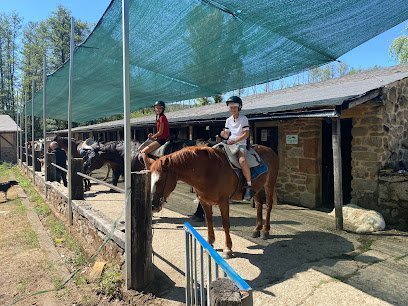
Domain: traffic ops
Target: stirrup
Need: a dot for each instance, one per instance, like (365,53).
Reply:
(249,193)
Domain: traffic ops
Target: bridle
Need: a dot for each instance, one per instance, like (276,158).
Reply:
(162,199)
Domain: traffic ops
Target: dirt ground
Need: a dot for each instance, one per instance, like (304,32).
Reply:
(31,262)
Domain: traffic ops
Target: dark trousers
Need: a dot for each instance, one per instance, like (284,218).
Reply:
(200,211)
(61,175)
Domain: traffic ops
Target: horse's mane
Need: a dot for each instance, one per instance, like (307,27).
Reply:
(183,159)
(117,146)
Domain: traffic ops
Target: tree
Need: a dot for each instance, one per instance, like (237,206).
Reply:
(10,26)
(204,101)
(399,48)
(58,35)
(218,99)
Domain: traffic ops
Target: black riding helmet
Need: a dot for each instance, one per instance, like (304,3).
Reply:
(234,99)
(160,103)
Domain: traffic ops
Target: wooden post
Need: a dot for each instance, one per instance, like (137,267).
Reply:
(29,158)
(223,292)
(190,132)
(24,155)
(37,164)
(77,183)
(337,173)
(51,171)
(139,232)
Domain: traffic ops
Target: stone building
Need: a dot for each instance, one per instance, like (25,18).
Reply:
(296,123)
(8,139)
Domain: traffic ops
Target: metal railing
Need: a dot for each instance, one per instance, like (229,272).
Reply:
(101,182)
(195,291)
(60,168)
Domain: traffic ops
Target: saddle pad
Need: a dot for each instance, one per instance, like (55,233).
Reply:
(159,152)
(258,170)
(230,151)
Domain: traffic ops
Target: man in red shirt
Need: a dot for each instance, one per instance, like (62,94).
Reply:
(162,133)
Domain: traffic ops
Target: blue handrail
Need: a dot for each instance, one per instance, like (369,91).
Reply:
(242,284)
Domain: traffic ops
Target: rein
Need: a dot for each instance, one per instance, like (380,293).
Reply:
(161,194)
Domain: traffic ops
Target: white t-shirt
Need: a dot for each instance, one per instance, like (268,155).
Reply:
(237,127)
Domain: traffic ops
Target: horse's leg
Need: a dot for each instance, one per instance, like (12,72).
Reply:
(209,221)
(224,209)
(115,176)
(269,193)
(108,172)
(258,201)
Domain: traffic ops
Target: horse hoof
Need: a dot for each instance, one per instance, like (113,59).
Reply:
(227,254)
(256,234)
(265,235)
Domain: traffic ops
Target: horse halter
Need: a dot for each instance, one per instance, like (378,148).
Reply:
(162,199)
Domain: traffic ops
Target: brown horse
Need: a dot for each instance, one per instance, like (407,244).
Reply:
(209,172)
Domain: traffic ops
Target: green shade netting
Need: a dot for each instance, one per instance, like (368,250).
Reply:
(183,49)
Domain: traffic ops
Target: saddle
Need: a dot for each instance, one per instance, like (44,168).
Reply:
(255,163)
(159,152)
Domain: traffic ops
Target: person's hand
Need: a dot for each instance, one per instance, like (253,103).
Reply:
(150,136)
(230,141)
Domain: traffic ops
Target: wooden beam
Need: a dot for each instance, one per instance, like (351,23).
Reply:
(50,169)
(140,232)
(337,173)
(77,183)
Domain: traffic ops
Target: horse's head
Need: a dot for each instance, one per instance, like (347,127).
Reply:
(163,182)
(93,159)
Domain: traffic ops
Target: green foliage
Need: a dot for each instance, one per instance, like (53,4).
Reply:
(30,238)
(10,27)
(58,35)
(111,281)
(399,48)
(51,37)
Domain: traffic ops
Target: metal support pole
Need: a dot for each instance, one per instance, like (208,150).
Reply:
(25,131)
(32,130)
(71,66)
(18,125)
(45,123)
(21,137)
(126,129)
(337,173)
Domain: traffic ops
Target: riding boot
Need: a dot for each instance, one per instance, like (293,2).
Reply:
(249,193)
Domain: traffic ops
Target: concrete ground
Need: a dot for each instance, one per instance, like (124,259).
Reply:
(305,261)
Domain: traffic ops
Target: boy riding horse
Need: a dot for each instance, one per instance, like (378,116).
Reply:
(236,131)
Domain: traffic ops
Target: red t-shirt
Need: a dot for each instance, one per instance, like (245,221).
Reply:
(166,130)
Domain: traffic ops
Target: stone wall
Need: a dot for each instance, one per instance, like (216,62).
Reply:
(396,124)
(299,180)
(367,148)
(393,198)
(380,141)
(89,227)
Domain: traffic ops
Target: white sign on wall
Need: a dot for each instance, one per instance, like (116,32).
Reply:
(264,135)
(292,139)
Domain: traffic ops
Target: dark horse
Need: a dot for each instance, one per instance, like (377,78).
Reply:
(75,148)
(209,172)
(112,152)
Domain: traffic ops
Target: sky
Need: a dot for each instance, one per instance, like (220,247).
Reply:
(373,52)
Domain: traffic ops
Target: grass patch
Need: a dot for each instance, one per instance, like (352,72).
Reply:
(111,282)
(30,238)
(57,282)
(22,285)
(365,243)
(59,233)
(21,209)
